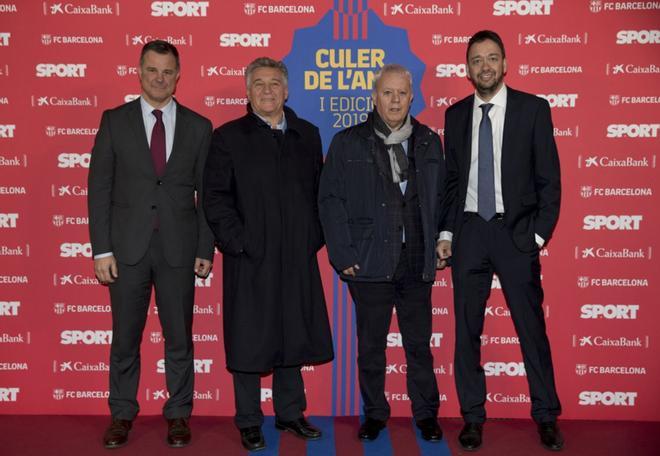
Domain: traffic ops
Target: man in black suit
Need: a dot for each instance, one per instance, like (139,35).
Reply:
(260,187)
(503,195)
(147,230)
(379,202)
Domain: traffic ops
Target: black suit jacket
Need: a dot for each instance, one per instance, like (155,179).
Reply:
(125,194)
(531,187)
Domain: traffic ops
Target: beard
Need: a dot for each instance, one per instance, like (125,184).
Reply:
(489,88)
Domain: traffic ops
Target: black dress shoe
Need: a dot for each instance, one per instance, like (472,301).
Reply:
(117,433)
(370,429)
(252,438)
(300,428)
(430,429)
(551,438)
(178,432)
(470,436)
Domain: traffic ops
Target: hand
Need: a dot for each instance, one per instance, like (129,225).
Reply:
(106,269)
(351,271)
(202,267)
(443,249)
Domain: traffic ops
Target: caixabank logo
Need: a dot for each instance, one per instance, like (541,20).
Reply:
(332,66)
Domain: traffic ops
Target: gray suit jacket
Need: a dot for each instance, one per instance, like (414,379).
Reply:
(125,194)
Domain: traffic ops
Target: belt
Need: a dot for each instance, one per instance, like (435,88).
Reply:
(497,216)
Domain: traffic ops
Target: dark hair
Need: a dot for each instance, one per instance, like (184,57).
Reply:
(483,35)
(160,47)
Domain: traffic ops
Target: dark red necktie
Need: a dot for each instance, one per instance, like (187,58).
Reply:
(158,143)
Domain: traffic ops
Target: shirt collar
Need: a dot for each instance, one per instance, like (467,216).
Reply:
(280,126)
(168,109)
(498,100)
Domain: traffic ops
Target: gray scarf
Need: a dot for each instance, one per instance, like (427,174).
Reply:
(393,140)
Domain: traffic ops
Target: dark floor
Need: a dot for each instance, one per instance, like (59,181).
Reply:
(81,435)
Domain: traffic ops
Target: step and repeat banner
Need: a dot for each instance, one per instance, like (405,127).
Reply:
(597,63)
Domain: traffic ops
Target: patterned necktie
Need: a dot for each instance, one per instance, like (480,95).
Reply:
(486,180)
(158,143)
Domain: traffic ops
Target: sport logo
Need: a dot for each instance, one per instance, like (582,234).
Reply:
(396,340)
(610,311)
(73,160)
(586,191)
(86,337)
(448,70)
(201,366)
(249,8)
(245,39)
(75,249)
(9,308)
(608,398)
(8,220)
(4,38)
(496,369)
(179,9)
(522,7)
(61,70)
(7,131)
(581,369)
(9,394)
(632,130)
(612,222)
(638,37)
(560,100)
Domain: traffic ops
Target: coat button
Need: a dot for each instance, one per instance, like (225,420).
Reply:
(153,207)
(159,182)
(383,204)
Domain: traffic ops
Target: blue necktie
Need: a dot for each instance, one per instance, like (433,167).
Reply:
(486,180)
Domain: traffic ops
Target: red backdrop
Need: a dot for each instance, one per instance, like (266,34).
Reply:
(597,62)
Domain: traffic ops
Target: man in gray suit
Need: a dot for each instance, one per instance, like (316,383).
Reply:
(146,230)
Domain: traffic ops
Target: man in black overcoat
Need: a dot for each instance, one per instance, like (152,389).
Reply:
(261,182)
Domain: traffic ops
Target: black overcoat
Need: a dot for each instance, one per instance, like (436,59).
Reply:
(261,202)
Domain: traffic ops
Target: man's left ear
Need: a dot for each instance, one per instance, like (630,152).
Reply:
(504,66)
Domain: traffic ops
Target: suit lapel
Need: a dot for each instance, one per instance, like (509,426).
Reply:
(137,126)
(508,141)
(180,129)
(466,153)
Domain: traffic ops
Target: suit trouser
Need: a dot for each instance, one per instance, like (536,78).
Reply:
(288,396)
(485,248)
(373,309)
(130,295)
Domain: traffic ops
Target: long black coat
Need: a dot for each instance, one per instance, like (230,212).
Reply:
(260,202)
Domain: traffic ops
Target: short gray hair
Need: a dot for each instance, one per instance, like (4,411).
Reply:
(392,68)
(266,62)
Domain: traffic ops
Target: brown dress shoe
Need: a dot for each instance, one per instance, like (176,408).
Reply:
(178,432)
(117,433)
